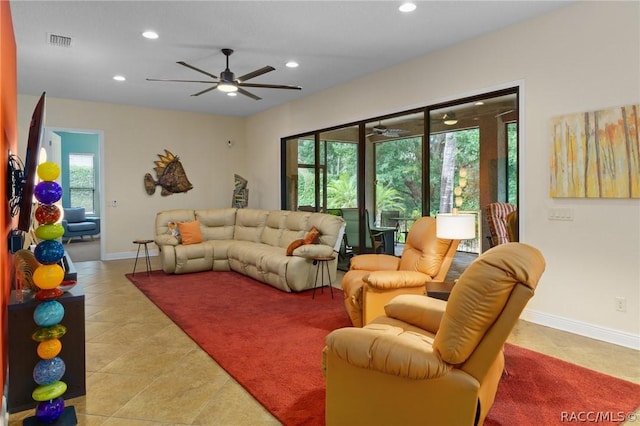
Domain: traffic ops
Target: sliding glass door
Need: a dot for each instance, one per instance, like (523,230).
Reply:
(380,173)
(473,147)
(397,190)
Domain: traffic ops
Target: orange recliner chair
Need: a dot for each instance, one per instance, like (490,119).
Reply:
(427,361)
(375,279)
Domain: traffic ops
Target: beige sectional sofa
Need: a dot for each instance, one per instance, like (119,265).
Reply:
(252,242)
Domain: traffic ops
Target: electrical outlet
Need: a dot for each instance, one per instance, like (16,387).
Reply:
(621,304)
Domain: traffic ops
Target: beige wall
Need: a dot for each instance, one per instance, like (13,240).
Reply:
(583,57)
(132,139)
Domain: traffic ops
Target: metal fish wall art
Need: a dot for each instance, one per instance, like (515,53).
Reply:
(170,176)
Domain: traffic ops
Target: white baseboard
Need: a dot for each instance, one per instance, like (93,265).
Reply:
(128,255)
(604,334)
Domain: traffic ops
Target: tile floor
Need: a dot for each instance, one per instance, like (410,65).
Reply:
(143,370)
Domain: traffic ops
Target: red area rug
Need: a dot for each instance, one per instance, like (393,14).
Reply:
(271,343)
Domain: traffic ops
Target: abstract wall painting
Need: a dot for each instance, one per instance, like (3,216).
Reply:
(596,154)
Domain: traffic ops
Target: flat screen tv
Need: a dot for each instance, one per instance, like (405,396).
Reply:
(31,164)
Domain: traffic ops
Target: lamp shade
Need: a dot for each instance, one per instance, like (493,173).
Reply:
(455,226)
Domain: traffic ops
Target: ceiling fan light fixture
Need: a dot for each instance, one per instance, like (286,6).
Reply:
(227,87)
(450,119)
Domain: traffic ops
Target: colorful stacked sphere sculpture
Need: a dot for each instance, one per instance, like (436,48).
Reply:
(48,372)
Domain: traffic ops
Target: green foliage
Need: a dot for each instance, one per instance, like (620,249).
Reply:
(467,149)
(399,176)
(81,187)
(398,172)
(306,187)
(512,164)
(81,176)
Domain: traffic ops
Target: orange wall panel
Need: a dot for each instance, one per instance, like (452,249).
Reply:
(8,142)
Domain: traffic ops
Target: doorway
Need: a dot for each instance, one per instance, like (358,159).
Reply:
(79,154)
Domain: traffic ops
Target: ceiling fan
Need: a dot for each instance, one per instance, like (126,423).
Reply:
(227,82)
(448,118)
(381,130)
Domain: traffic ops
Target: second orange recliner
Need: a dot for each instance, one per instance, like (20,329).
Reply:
(375,279)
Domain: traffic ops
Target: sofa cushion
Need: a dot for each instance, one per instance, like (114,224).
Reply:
(249,224)
(82,226)
(217,224)
(190,232)
(274,227)
(295,227)
(75,214)
(329,227)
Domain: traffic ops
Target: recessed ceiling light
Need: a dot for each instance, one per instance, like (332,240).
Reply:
(232,94)
(292,64)
(479,103)
(151,35)
(119,78)
(407,7)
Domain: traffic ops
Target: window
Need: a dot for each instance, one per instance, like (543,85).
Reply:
(512,162)
(407,164)
(82,181)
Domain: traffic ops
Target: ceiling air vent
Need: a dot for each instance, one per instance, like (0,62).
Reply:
(59,40)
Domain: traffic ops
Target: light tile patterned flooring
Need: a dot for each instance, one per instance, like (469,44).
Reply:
(143,370)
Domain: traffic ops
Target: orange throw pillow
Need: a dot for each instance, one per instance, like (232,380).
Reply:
(312,236)
(294,245)
(190,232)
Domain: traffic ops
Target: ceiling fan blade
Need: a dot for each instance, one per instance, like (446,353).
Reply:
(197,69)
(503,113)
(181,81)
(205,90)
(249,94)
(256,73)
(270,86)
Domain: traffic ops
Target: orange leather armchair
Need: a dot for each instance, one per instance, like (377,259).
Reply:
(375,279)
(428,361)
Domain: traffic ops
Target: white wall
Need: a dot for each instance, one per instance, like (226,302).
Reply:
(583,57)
(133,137)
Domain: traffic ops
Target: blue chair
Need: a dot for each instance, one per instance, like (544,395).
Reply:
(77,224)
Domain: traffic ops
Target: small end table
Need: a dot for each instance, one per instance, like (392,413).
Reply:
(320,261)
(141,243)
(440,289)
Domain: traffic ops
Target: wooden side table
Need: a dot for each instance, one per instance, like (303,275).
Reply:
(320,261)
(141,243)
(440,289)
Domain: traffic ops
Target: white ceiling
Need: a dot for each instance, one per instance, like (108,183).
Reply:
(334,42)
